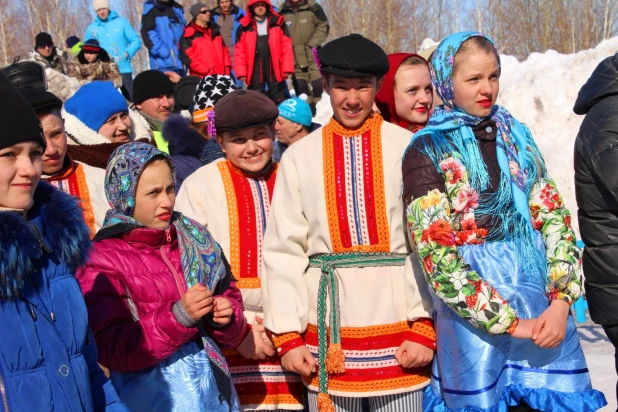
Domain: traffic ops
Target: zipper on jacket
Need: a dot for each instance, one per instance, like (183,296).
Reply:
(5,401)
(168,237)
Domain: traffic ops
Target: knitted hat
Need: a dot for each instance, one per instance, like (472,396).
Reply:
(94,103)
(18,121)
(194,11)
(100,4)
(43,39)
(296,110)
(243,109)
(209,91)
(149,84)
(184,91)
(41,100)
(92,46)
(72,41)
(352,56)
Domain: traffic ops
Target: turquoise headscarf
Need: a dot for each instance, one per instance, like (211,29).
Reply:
(200,254)
(450,131)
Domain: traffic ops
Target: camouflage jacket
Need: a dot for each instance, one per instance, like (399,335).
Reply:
(61,62)
(99,71)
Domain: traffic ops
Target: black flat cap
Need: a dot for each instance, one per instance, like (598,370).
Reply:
(41,100)
(353,56)
(242,109)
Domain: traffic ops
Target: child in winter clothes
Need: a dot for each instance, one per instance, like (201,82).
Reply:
(235,205)
(406,96)
(496,246)
(201,48)
(48,358)
(160,293)
(93,63)
(338,282)
(264,58)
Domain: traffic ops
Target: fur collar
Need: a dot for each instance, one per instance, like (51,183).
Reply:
(79,133)
(182,138)
(57,227)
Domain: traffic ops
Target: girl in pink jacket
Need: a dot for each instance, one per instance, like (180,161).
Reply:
(160,293)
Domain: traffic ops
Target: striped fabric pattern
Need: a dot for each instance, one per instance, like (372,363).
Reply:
(73,182)
(370,364)
(260,384)
(406,402)
(248,201)
(354,185)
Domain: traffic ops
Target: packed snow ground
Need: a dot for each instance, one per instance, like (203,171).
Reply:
(541,92)
(600,358)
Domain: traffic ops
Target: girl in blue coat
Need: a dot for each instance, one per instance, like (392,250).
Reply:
(48,358)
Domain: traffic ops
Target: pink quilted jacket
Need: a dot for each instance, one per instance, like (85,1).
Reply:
(130,284)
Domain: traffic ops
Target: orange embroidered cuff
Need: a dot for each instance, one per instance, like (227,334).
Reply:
(286,342)
(423,333)
(513,326)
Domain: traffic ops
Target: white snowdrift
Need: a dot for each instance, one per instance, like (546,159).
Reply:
(541,92)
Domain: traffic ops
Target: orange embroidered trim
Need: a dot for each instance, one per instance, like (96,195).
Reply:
(331,185)
(232,211)
(424,330)
(384,244)
(280,340)
(373,385)
(84,195)
(253,283)
(369,331)
(281,399)
(369,124)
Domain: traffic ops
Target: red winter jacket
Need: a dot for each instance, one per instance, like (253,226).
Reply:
(279,40)
(202,50)
(130,284)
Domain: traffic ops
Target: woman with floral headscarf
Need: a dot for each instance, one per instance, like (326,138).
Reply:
(160,293)
(497,249)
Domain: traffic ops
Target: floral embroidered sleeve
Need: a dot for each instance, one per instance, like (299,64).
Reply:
(553,220)
(431,223)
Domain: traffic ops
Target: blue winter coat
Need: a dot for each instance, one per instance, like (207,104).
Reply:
(116,36)
(162,29)
(48,356)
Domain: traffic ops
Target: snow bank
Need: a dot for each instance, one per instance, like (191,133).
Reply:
(541,92)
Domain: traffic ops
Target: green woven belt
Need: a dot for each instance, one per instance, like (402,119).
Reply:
(330,355)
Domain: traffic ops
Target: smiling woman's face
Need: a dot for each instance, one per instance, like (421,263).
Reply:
(20,171)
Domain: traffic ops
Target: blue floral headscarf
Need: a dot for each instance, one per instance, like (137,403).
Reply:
(450,129)
(200,254)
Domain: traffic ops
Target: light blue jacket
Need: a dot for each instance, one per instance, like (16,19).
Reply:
(116,36)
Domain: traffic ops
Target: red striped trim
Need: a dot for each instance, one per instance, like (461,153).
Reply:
(379,373)
(372,226)
(247,223)
(366,344)
(340,185)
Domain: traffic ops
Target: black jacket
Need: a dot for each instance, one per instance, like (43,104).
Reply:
(596,188)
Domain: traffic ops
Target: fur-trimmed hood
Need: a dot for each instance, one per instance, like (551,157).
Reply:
(56,227)
(79,133)
(182,138)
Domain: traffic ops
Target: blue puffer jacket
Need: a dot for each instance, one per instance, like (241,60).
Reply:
(162,29)
(116,36)
(48,358)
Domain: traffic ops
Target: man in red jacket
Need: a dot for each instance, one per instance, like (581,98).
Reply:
(202,48)
(263,53)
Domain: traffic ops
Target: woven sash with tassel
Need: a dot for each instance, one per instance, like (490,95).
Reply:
(331,359)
